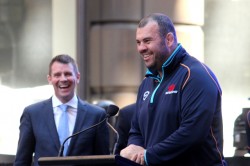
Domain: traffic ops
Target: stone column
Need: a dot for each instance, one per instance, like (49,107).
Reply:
(115,67)
(188,17)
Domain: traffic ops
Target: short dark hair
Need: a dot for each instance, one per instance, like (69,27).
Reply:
(164,22)
(65,59)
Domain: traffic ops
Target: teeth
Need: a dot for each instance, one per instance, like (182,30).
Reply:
(63,86)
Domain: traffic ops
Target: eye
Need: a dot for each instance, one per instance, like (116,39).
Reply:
(68,74)
(138,43)
(56,75)
(147,41)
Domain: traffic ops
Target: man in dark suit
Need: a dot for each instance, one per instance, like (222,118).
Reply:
(123,125)
(39,122)
(247,124)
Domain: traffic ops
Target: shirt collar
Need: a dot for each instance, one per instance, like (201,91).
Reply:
(72,103)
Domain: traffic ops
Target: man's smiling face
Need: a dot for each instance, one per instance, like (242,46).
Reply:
(64,80)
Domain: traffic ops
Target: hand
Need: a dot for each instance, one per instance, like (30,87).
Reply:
(134,153)
(247,155)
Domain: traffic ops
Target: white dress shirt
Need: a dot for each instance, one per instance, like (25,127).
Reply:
(72,111)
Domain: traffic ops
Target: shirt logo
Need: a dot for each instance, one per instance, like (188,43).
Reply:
(145,95)
(171,89)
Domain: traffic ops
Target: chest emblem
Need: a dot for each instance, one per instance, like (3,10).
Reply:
(171,89)
(145,95)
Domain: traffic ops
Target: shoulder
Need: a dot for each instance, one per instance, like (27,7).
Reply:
(200,74)
(129,109)
(39,104)
(90,107)
(38,109)
(196,67)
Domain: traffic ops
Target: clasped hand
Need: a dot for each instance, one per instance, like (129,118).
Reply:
(134,153)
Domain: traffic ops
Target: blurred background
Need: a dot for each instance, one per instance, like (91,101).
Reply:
(100,35)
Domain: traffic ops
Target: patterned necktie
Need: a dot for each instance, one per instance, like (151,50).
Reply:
(63,127)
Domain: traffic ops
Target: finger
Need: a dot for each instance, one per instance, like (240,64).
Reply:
(142,160)
(138,159)
(134,157)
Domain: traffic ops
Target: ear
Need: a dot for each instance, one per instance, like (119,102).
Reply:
(78,77)
(170,39)
(49,79)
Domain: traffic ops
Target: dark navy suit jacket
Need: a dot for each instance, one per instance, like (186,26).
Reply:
(248,130)
(123,125)
(38,133)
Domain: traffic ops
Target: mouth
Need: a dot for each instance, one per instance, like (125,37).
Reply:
(63,86)
(146,56)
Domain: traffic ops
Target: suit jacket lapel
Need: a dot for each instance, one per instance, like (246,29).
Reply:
(50,121)
(80,118)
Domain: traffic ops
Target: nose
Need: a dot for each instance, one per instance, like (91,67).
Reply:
(63,77)
(141,48)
